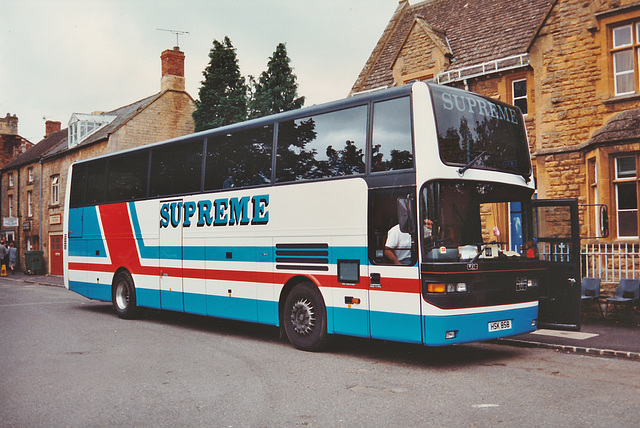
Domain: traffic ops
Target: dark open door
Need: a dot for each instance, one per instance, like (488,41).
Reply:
(554,227)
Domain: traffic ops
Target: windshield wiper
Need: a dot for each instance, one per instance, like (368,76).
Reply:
(464,169)
(484,247)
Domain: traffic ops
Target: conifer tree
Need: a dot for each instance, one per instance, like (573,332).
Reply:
(223,94)
(276,89)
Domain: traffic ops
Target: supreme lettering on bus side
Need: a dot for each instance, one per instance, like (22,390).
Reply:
(218,212)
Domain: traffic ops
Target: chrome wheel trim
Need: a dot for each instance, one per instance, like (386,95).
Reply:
(122,295)
(303,317)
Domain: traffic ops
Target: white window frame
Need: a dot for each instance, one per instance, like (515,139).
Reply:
(30,174)
(30,203)
(11,179)
(10,204)
(625,180)
(525,97)
(55,190)
(620,47)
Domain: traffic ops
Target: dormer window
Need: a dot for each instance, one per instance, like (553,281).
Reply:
(83,125)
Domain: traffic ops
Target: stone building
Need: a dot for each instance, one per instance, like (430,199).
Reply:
(11,144)
(572,66)
(36,196)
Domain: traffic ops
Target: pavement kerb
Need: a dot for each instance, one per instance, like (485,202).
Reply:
(31,280)
(571,349)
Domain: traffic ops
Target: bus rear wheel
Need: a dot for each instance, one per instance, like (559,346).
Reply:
(304,318)
(123,295)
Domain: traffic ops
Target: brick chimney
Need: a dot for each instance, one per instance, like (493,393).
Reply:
(51,126)
(172,70)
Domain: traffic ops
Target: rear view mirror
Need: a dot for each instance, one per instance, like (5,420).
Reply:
(604,221)
(406,215)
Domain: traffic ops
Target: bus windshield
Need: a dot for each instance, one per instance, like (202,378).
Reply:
(478,132)
(466,213)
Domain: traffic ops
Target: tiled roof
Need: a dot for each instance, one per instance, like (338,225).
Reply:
(623,127)
(478,31)
(36,152)
(122,114)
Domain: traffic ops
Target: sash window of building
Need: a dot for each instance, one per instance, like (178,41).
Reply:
(55,190)
(626,193)
(625,55)
(29,203)
(519,91)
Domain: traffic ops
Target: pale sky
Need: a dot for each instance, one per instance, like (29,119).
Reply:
(59,57)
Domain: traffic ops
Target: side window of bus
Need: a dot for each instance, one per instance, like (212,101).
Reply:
(387,245)
(96,182)
(325,145)
(391,145)
(239,159)
(127,177)
(176,169)
(78,181)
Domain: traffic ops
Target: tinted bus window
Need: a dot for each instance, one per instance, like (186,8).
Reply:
(470,126)
(325,145)
(239,159)
(392,147)
(78,181)
(127,177)
(96,182)
(176,168)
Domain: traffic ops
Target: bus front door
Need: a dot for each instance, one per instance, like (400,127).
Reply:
(171,287)
(554,227)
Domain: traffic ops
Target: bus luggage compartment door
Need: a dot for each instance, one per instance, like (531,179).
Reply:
(171,292)
(394,303)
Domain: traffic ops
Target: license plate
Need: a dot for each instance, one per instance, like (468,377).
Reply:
(500,325)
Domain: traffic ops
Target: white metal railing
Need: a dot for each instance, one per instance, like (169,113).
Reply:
(495,66)
(611,262)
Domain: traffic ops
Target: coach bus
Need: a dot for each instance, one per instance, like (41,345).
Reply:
(384,215)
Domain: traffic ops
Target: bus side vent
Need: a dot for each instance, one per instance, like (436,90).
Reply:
(314,257)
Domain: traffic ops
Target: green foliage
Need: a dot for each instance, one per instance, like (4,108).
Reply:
(276,89)
(223,94)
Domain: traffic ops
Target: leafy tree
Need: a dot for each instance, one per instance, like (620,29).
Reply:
(276,90)
(223,94)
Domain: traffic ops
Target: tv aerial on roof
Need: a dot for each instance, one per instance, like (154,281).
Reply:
(178,33)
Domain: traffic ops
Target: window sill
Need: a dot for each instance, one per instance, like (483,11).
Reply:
(622,98)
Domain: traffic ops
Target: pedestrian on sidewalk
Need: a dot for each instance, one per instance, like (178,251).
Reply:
(13,257)
(3,252)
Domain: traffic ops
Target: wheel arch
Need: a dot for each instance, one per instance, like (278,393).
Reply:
(117,272)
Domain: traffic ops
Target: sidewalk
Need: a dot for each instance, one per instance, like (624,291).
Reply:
(604,337)
(609,337)
(36,279)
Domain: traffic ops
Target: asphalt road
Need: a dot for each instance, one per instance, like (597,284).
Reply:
(68,361)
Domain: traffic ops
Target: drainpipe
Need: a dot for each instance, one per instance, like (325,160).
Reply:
(41,207)
(18,214)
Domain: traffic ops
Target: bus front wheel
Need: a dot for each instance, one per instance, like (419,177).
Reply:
(304,318)
(123,296)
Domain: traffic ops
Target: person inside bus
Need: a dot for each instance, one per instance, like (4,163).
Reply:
(398,248)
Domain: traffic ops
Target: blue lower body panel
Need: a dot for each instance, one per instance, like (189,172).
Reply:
(91,290)
(475,327)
